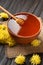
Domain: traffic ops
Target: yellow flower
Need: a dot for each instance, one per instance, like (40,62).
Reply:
(36,42)
(20,59)
(3,15)
(35,59)
(5,37)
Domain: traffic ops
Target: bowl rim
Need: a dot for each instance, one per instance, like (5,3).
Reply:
(31,35)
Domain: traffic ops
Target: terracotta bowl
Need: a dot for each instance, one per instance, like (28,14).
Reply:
(24,39)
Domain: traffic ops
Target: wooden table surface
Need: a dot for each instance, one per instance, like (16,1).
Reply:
(15,6)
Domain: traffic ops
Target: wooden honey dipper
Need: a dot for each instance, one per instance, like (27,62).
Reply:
(18,20)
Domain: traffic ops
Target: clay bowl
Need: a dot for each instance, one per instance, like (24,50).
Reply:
(13,28)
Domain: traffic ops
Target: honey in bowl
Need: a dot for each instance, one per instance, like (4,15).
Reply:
(30,27)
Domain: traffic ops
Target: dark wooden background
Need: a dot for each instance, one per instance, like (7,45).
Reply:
(15,6)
